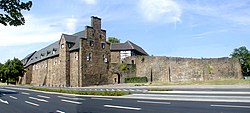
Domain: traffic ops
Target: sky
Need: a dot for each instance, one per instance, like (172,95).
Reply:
(173,28)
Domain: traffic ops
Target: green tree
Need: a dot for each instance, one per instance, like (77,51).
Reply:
(12,70)
(113,40)
(10,12)
(1,72)
(244,56)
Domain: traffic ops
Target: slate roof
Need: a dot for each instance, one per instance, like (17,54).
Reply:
(128,45)
(74,40)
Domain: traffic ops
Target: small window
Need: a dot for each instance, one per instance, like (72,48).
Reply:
(105,59)
(103,45)
(132,61)
(91,43)
(53,52)
(89,57)
(62,46)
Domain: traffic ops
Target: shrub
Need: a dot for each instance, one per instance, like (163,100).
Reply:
(136,80)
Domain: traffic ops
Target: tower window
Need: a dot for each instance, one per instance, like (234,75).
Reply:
(91,43)
(103,45)
(89,57)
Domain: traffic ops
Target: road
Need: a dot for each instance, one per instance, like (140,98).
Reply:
(22,100)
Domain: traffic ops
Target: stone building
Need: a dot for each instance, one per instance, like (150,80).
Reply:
(75,60)
(119,51)
(85,58)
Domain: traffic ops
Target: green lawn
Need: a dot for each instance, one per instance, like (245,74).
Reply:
(3,83)
(102,93)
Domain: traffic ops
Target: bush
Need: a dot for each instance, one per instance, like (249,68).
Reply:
(136,80)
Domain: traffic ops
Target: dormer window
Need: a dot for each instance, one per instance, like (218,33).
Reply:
(62,46)
(54,51)
(48,52)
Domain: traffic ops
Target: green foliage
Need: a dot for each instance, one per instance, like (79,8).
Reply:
(103,93)
(11,12)
(123,67)
(113,40)
(244,56)
(210,69)
(11,70)
(136,80)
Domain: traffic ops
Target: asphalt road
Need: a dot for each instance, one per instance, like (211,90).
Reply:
(18,100)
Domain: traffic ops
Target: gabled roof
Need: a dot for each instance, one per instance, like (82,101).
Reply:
(128,45)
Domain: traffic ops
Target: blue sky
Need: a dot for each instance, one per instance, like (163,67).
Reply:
(178,28)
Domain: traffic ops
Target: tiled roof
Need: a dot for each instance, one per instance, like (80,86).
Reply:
(128,45)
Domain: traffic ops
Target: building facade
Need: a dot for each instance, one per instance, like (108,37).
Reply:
(75,60)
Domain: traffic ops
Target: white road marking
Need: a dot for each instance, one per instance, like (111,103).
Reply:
(31,103)
(25,93)
(230,106)
(41,100)
(58,111)
(122,107)
(6,102)
(7,90)
(153,102)
(69,101)
(4,94)
(43,96)
(101,98)
(70,98)
(13,97)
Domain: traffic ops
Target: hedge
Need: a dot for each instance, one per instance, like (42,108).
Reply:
(136,80)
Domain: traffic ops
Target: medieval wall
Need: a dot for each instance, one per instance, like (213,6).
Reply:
(115,56)
(174,69)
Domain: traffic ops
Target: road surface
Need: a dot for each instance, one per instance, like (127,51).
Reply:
(22,100)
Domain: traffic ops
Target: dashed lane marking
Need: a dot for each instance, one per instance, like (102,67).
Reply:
(5,102)
(59,111)
(230,106)
(41,100)
(31,103)
(101,99)
(43,96)
(70,98)
(122,107)
(25,93)
(69,101)
(153,102)
(13,97)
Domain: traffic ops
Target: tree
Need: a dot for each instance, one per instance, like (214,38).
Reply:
(1,72)
(12,70)
(11,12)
(113,40)
(244,56)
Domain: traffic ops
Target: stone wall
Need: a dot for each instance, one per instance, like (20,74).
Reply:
(115,56)
(174,69)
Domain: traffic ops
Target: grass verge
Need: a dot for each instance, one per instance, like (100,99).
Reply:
(209,82)
(102,93)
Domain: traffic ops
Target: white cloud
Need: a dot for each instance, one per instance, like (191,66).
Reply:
(71,24)
(161,10)
(36,30)
(90,2)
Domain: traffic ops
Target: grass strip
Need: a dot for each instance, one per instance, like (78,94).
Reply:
(102,93)
(159,89)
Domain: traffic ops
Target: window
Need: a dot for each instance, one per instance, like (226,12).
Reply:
(105,59)
(62,46)
(103,45)
(132,61)
(89,57)
(91,43)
